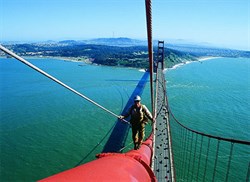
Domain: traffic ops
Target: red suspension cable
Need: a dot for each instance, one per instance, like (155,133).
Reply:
(150,49)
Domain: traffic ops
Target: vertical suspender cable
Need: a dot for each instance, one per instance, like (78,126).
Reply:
(205,170)
(216,158)
(229,161)
(150,49)
(197,179)
(194,157)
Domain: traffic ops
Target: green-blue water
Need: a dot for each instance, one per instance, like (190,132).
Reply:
(46,129)
(213,96)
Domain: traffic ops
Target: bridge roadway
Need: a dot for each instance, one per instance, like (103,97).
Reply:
(161,158)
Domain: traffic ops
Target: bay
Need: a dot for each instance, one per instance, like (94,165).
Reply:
(45,129)
(212,96)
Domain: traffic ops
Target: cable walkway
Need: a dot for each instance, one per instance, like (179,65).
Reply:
(162,153)
(188,155)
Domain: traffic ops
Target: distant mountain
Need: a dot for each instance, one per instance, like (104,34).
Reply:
(71,42)
(196,49)
(68,42)
(201,51)
(122,42)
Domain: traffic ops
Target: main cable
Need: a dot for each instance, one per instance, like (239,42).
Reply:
(57,81)
(148,6)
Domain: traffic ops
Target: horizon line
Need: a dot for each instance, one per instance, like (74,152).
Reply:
(170,41)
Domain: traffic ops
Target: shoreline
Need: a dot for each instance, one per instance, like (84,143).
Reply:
(75,60)
(70,59)
(89,61)
(200,59)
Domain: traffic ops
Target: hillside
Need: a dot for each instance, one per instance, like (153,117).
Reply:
(133,56)
(127,52)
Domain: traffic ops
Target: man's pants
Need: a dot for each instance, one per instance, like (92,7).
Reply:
(138,132)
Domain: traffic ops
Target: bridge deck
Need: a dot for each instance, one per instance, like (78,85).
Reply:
(161,160)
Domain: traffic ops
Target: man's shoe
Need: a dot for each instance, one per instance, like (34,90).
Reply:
(136,146)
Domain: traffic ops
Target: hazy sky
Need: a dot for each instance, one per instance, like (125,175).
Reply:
(219,22)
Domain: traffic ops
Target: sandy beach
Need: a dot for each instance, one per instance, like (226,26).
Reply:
(201,59)
(72,59)
(207,58)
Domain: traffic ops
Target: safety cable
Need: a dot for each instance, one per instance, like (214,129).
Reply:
(103,138)
(200,133)
(126,146)
(57,81)
(95,147)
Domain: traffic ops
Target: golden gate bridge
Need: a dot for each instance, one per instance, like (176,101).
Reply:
(172,152)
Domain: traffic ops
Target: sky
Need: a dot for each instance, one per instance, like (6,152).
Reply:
(222,23)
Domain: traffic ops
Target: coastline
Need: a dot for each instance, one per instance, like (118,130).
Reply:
(199,59)
(71,59)
(90,61)
(76,60)
(207,58)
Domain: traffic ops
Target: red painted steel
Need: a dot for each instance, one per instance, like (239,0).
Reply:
(145,152)
(131,166)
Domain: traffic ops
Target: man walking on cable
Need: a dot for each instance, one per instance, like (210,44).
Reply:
(139,116)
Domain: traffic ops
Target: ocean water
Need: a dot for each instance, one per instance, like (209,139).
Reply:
(212,96)
(45,129)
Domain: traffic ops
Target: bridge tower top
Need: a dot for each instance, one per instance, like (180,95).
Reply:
(160,54)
